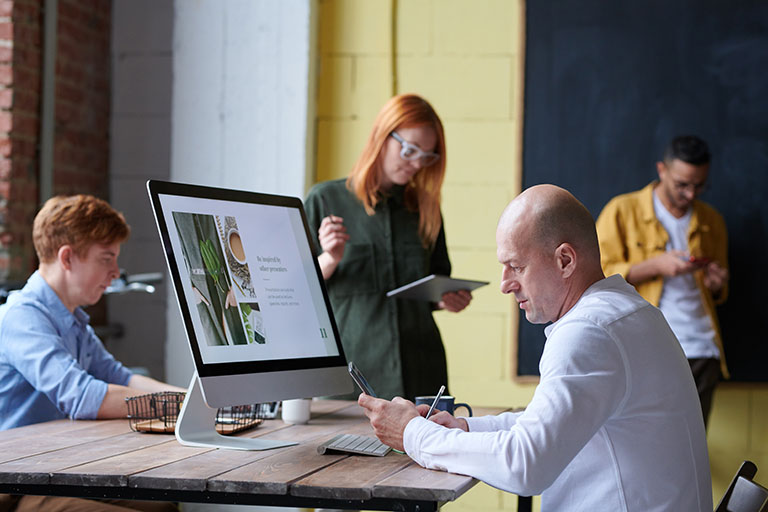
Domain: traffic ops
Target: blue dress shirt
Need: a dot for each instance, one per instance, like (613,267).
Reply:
(52,364)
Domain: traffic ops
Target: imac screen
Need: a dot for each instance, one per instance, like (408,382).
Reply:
(247,280)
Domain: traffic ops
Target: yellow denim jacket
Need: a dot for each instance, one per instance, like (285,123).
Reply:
(629,233)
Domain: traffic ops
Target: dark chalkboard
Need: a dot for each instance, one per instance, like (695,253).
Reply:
(607,84)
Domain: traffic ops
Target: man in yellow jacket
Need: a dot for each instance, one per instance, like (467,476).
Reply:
(674,249)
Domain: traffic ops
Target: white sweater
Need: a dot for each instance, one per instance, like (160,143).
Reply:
(615,423)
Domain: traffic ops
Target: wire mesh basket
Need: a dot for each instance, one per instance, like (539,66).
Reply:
(158,412)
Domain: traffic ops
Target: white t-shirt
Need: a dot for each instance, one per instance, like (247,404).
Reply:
(615,423)
(681,300)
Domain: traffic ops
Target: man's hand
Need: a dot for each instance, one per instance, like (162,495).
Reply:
(389,419)
(673,263)
(113,405)
(715,277)
(669,264)
(448,420)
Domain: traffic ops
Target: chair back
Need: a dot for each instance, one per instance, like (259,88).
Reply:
(748,496)
(744,495)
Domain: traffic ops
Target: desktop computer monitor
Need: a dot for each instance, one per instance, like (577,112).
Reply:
(253,301)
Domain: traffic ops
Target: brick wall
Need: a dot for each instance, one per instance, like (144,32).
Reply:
(81,118)
(20,68)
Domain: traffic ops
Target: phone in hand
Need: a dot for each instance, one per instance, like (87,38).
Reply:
(357,376)
(699,262)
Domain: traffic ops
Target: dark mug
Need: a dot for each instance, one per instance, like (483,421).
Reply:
(446,403)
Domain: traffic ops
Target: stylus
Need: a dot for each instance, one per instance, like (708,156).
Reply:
(437,399)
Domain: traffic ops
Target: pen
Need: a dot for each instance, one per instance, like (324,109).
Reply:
(326,210)
(437,399)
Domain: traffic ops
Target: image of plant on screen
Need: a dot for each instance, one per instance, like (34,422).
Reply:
(253,321)
(211,284)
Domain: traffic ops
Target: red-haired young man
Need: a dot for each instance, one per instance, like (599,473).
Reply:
(52,365)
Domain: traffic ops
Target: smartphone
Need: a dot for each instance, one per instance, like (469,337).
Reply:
(699,261)
(357,376)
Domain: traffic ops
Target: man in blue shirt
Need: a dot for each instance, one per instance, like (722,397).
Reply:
(52,365)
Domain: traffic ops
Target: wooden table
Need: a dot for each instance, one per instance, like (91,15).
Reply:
(106,459)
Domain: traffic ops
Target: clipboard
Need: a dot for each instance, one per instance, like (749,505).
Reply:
(432,288)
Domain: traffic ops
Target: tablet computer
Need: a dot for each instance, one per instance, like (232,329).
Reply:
(432,288)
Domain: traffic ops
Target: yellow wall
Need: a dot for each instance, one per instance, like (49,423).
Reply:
(466,58)
(473,79)
(738,430)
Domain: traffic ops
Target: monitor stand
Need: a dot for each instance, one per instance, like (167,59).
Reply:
(196,426)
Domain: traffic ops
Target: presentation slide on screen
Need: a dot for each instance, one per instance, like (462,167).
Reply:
(249,281)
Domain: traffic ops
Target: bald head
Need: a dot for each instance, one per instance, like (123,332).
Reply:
(547,244)
(549,216)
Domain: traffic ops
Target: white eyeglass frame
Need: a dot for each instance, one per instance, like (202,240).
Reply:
(427,158)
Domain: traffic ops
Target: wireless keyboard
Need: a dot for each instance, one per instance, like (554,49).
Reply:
(350,443)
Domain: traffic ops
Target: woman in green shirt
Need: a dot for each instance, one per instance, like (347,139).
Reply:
(382,228)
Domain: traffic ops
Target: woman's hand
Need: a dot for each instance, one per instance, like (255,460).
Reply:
(455,301)
(333,238)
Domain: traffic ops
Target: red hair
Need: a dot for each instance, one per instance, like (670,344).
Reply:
(422,193)
(79,221)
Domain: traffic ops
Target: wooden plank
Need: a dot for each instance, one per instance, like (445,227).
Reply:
(117,470)
(56,427)
(44,440)
(38,468)
(352,478)
(193,473)
(273,475)
(416,483)
(113,471)
(286,466)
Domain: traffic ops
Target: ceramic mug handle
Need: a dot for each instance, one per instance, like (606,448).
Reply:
(469,409)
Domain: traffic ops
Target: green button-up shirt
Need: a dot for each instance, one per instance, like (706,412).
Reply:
(394,342)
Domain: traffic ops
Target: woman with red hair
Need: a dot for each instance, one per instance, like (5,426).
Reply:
(382,228)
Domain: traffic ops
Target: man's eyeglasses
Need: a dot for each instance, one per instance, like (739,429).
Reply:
(682,186)
(411,152)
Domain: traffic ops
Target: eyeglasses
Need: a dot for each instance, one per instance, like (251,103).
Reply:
(411,152)
(682,186)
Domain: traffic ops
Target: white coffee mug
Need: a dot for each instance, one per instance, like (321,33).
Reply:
(296,412)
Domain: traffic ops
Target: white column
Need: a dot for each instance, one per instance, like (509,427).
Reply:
(140,142)
(242,107)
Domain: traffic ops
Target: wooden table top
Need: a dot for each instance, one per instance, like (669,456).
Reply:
(105,458)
